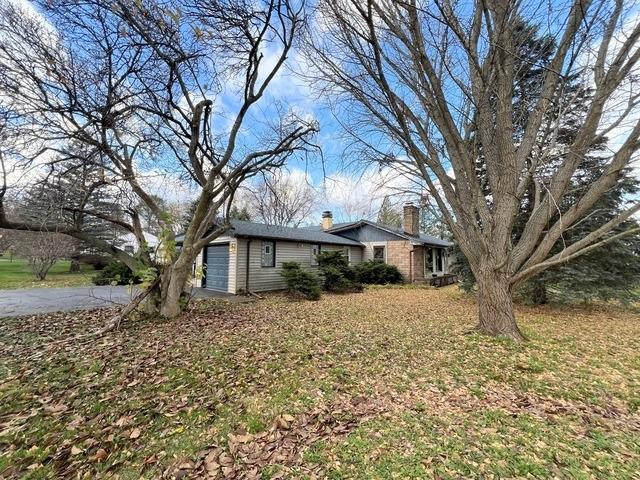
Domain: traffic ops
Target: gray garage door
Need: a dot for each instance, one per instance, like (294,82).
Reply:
(217,272)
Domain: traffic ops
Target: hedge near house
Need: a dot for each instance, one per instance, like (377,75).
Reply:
(338,275)
(116,273)
(300,282)
(376,272)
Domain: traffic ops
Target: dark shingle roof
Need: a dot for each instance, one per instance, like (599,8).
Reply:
(241,228)
(423,237)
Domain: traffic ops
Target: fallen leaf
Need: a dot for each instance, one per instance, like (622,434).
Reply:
(100,455)
(56,409)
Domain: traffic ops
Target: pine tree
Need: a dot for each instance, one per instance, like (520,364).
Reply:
(77,197)
(238,213)
(387,215)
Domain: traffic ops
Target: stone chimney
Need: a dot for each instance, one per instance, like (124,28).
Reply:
(411,220)
(327,220)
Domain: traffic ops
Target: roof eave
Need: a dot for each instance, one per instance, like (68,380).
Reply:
(283,239)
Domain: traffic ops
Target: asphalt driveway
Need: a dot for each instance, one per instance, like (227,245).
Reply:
(32,301)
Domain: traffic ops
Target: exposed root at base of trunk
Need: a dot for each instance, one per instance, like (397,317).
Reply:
(513,334)
(115,321)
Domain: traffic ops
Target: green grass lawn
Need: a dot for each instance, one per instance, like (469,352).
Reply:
(384,384)
(17,274)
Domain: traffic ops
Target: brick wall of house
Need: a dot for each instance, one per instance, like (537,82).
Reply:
(418,264)
(399,254)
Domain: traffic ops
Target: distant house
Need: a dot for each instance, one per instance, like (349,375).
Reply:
(129,242)
(249,257)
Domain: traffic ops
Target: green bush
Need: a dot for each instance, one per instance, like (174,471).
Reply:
(376,272)
(116,273)
(96,260)
(300,282)
(338,275)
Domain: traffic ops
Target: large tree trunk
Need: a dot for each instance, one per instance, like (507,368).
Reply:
(495,305)
(174,281)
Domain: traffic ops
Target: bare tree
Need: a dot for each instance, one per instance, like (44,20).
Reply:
(281,199)
(429,86)
(135,83)
(41,250)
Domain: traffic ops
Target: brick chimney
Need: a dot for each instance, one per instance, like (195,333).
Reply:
(410,219)
(327,220)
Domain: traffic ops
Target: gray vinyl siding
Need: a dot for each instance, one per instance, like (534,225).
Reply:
(241,264)
(268,278)
(356,255)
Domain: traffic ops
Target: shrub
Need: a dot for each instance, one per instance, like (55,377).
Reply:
(116,273)
(96,260)
(339,276)
(300,282)
(376,272)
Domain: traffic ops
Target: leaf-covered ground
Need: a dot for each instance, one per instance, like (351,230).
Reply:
(383,384)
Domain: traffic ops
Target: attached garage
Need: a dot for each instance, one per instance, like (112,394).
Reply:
(249,257)
(216,270)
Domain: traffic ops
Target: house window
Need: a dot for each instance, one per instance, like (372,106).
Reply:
(315,250)
(439,260)
(346,251)
(378,253)
(268,254)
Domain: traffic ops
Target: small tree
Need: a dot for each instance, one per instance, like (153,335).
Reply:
(42,250)
(240,213)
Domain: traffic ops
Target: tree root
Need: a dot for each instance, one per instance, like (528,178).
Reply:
(516,336)
(115,321)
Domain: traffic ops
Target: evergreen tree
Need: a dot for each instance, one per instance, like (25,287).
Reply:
(240,213)
(431,223)
(77,196)
(387,215)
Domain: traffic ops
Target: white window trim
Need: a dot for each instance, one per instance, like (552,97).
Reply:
(373,251)
(313,260)
(272,244)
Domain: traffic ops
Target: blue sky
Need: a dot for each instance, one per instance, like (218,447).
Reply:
(344,187)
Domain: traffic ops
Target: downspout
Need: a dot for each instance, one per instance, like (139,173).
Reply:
(246,286)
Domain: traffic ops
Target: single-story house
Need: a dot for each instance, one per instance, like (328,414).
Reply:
(249,257)
(130,244)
